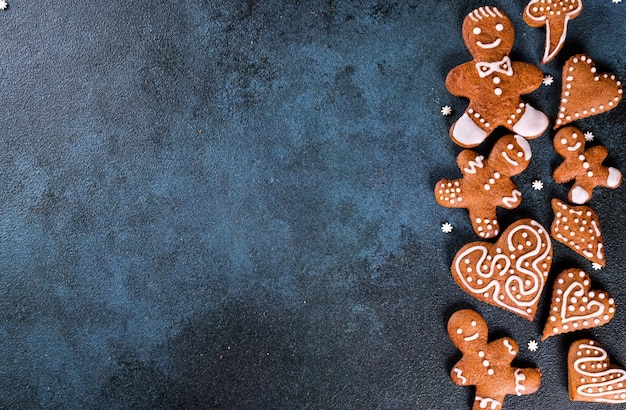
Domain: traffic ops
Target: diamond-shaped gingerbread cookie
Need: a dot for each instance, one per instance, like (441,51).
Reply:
(578,228)
(592,377)
(575,306)
(510,273)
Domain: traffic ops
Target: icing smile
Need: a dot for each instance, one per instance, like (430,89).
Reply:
(575,147)
(487,46)
(472,337)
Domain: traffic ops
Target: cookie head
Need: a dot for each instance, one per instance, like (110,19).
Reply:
(488,34)
(569,141)
(513,154)
(467,328)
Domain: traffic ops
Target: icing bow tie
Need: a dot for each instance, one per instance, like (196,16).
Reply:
(503,66)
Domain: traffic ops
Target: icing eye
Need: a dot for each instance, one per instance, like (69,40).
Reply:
(473,323)
(574,135)
(459,330)
(499,27)
(563,141)
(476,30)
(510,146)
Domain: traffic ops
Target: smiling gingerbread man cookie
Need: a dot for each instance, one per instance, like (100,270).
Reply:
(486,183)
(584,166)
(493,83)
(487,365)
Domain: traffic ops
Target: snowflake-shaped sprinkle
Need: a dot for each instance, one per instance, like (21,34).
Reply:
(3,5)
(446,110)
(617,1)
(589,136)
(596,266)
(533,345)
(446,227)
(537,185)
(548,80)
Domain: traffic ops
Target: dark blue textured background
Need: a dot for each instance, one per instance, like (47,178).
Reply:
(228,204)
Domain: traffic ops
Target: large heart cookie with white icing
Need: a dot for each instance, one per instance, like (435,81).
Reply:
(592,377)
(510,273)
(575,306)
(585,92)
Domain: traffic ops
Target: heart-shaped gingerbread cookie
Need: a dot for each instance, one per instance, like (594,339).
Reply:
(575,306)
(585,92)
(510,273)
(592,377)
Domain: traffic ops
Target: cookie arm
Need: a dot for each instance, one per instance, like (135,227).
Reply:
(533,77)
(457,81)
(470,162)
(598,153)
(503,350)
(563,173)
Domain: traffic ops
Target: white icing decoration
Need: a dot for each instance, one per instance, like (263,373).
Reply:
(510,269)
(578,289)
(598,391)
(579,195)
(575,147)
(459,374)
(486,11)
(548,54)
(466,133)
(472,337)
(509,347)
(503,66)
(491,45)
(614,178)
(510,201)
(472,165)
(508,159)
(532,123)
(483,402)
(519,378)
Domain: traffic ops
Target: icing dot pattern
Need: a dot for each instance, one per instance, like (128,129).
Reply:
(510,273)
(592,377)
(578,227)
(585,92)
(574,306)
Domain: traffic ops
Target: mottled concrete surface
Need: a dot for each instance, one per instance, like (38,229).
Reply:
(228,204)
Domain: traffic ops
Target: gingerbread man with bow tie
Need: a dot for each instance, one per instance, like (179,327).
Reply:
(493,83)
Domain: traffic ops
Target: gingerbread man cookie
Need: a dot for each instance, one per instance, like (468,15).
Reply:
(493,83)
(584,166)
(487,365)
(486,184)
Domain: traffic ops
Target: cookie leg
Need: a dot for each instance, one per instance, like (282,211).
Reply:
(614,179)
(491,403)
(485,224)
(532,123)
(579,195)
(466,133)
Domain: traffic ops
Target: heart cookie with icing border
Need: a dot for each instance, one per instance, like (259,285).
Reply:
(592,377)
(510,273)
(575,306)
(585,92)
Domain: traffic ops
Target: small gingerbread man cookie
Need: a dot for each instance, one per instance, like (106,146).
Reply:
(486,184)
(584,166)
(493,83)
(487,365)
